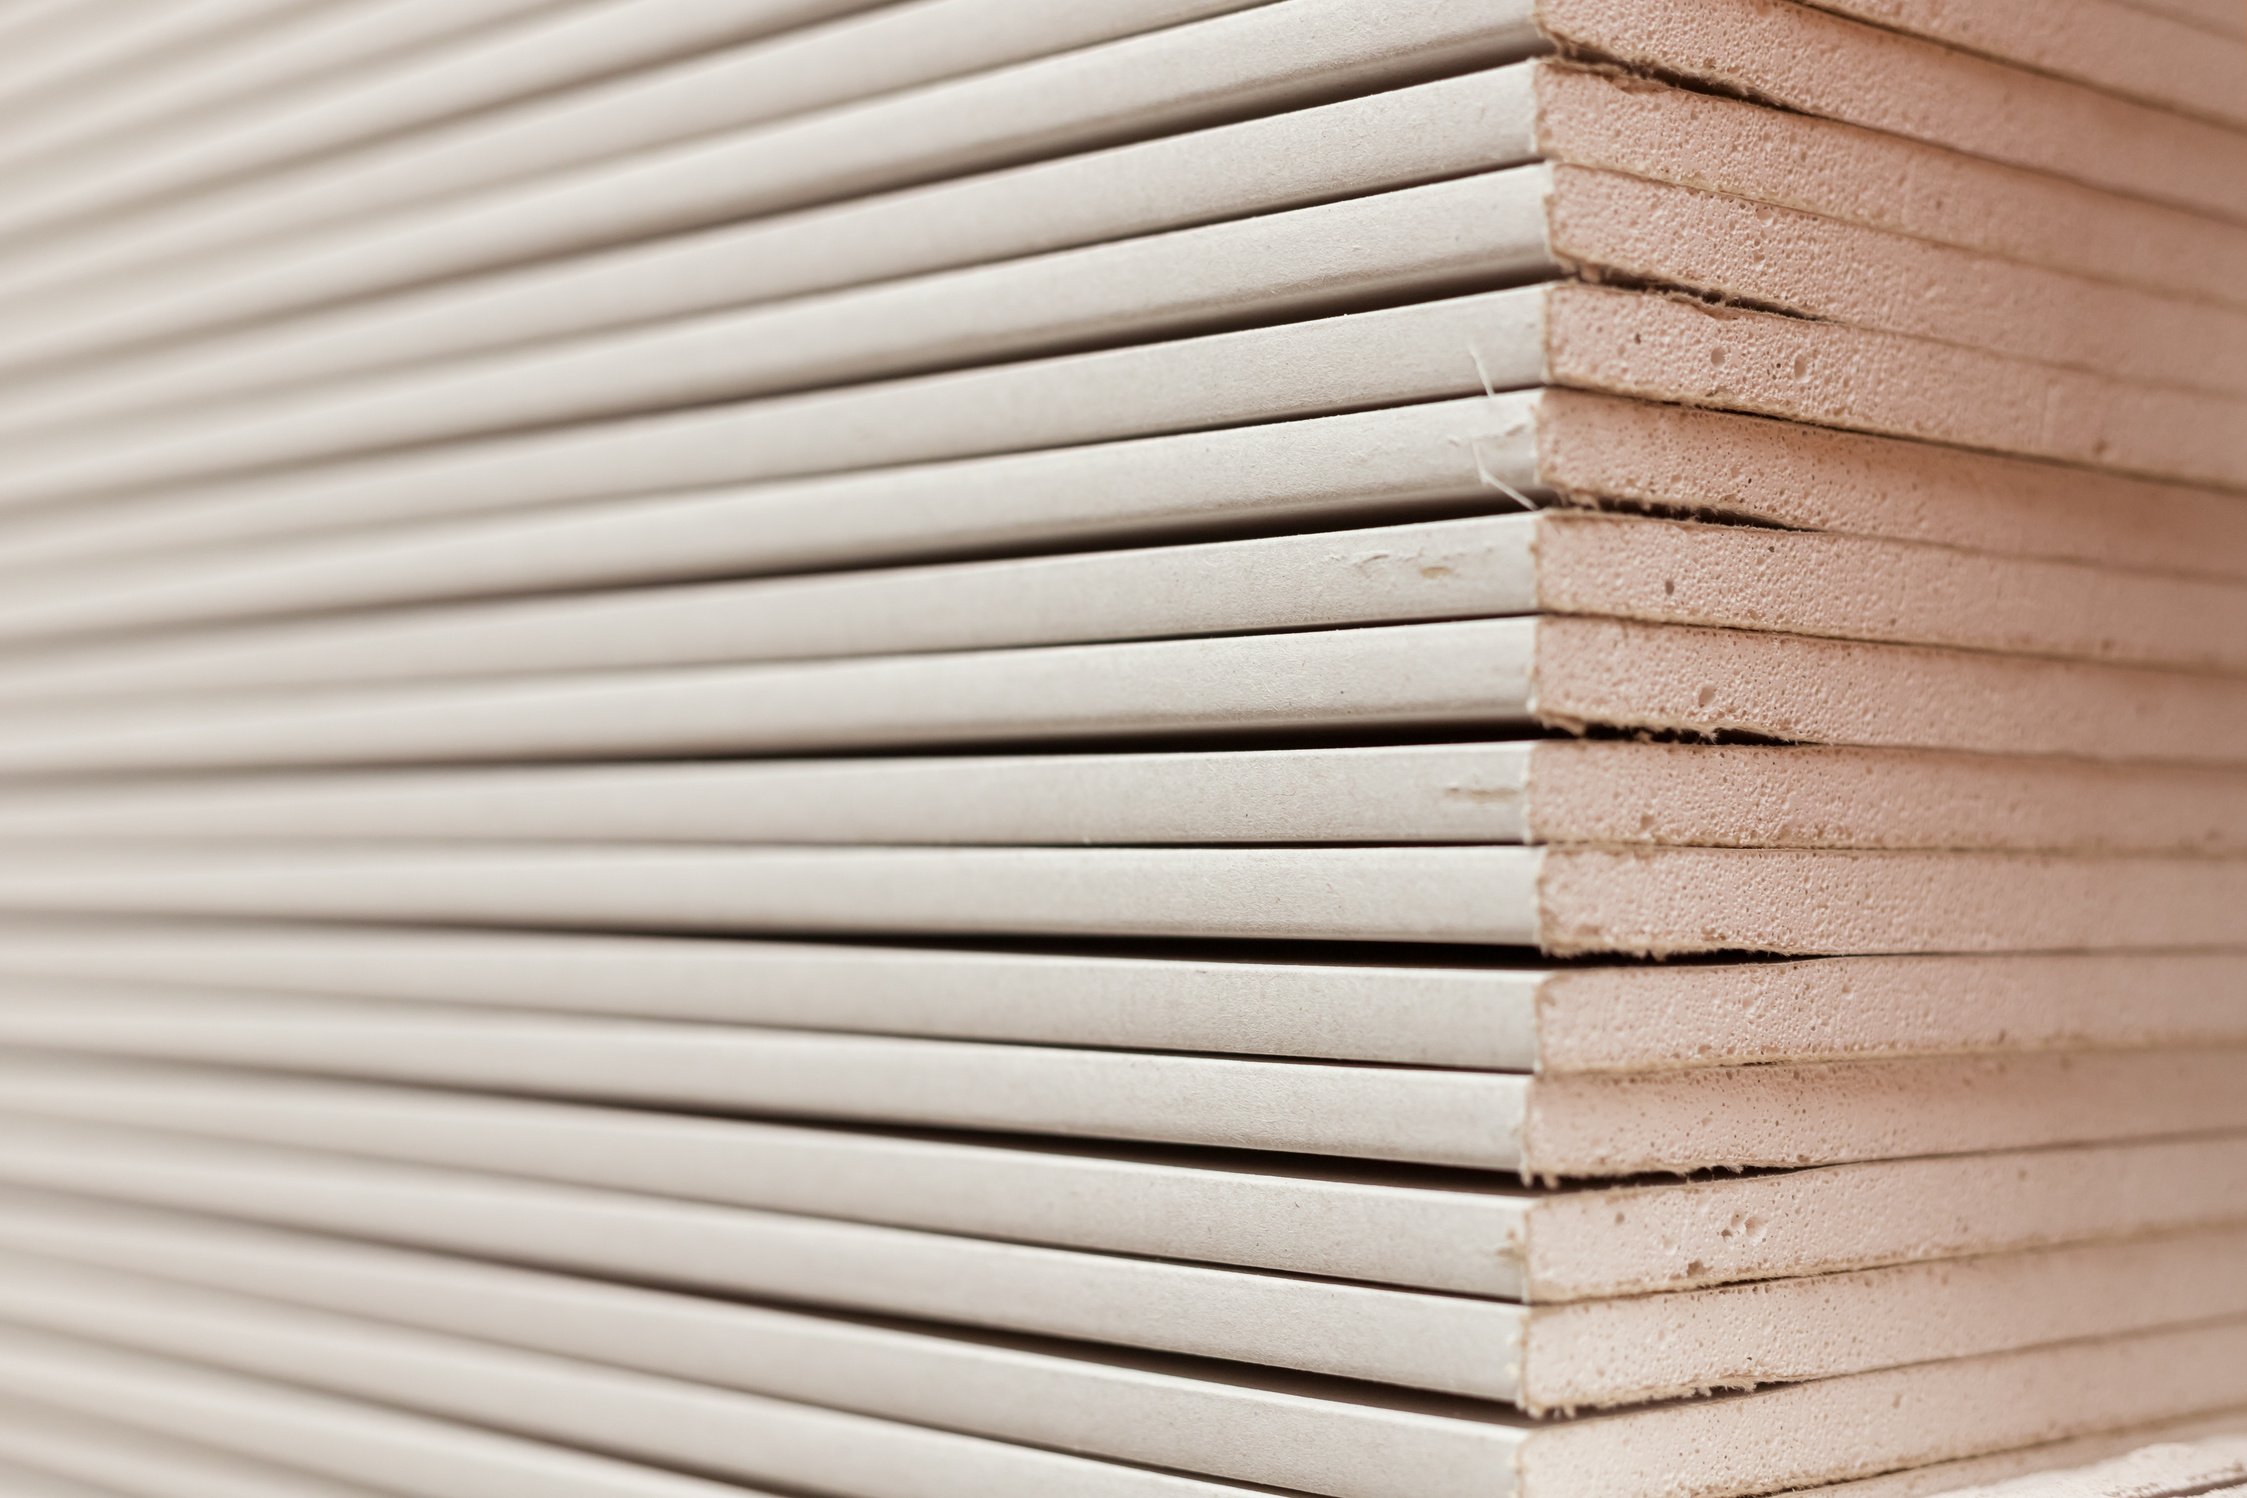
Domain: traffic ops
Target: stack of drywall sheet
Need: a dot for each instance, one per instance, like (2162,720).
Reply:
(1150,748)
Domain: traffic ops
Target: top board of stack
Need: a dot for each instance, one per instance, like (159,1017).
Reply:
(1146,748)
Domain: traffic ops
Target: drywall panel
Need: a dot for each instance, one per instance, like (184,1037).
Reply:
(1484,675)
(1269,57)
(340,1438)
(1554,562)
(133,1463)
(1492,1014)
(1539,791)
(1358,1449)
(591,83)
(1552,1126)
(1543,1359)
(1431,1230)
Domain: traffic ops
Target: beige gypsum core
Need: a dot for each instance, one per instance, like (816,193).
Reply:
(1323,471)
(1598,118)
(134,1463)
(1632,343)
(1570,674)
(1618,227)
(1396,1337)
(2104,43)
(2216,1465)
(1542,1360)
(1368,143)
(1505,1016)
(1350,1449)
(2052,338)
(1816,63)
(1551,792)
(1441,238)
(2140,148)
(2044,1457)
(1670,349)
(1457,125)
(1381,1225)
(582,87)
(1269,57)
(630,1416)
(1550,1126)
(2217,17)
(365,72)
(1565,901)
(1721,576)
(1594,449)
(1513,225)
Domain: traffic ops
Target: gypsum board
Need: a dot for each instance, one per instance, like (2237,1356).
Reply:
(584,86)
(856,57)
(1308,261)
(2215,16)
(2182,1469)
(1552,1126)
(1555,792)
(134,1463)
(2104,43)
(2047,1456)
(1317,472)
(1804,59)
(1250,1321)
(1444,237)
(1268,58)
(1785,259)
(1470,1234)
(1563,901)
(1349,1449)
(1561,1357)
(1453,126)
(1465,1119)
(1494,1016)
(612,1412)
(144,1401)
(96,56)
(1565,673)
(32,29)
(24,1482)
(271,67)
(1557,562)
(1328,366)
(1596,118)
(1623,342)
(1420,454)
(1520,224)
(2147,147)
(1396,138)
